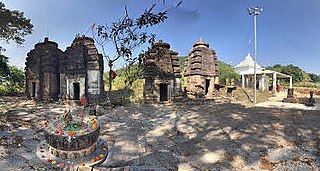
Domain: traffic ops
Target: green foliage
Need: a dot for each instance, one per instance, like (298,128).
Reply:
(125,76)
(13,25)
(227,72)
(16,77)
(297,73)
(4,68)
(127,87)
(123,94)
(314,78)
(14,83)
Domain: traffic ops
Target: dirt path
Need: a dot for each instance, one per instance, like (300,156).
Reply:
(276,102)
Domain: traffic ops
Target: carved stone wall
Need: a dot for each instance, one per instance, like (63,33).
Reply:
(75,73)
(42,71)
(162,74)
(82,65)
(201,71)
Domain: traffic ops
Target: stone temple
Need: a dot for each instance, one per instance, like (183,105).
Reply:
(74,74)
(162,74)
(201,71)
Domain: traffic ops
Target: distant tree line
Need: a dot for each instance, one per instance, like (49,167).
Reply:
(298,75)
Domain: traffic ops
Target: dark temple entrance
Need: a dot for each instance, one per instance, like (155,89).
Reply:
(163,92)
(33,89)
(76,91)
(206,90)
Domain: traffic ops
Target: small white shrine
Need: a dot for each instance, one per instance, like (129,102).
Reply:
(246,69)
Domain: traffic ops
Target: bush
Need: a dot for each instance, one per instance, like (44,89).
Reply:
(13,83)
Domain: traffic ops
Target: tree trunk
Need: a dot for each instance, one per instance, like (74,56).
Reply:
(110,75)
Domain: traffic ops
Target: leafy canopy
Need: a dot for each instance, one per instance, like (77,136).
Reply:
(298,75)
(13,25)
(227,72)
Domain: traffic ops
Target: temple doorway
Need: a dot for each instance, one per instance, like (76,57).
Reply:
(206,90)
(33,89)
(163,92)
(76,91)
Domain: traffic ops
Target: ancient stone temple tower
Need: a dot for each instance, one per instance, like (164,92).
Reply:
(81,70)
(42,71)
(201,71)
(73,74)
(162,74)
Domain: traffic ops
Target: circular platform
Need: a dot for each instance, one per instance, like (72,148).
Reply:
(98,156)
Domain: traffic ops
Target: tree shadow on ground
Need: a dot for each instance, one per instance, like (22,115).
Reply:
(21,131)
(214,136)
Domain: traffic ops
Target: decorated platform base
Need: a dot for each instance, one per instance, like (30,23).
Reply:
(98,154)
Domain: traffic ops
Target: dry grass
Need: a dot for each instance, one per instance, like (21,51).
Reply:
(246,95)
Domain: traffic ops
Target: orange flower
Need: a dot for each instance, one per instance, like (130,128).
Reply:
(94,125)
(56,131)
(92,160)
(62,164)
(61,133)
(71,133)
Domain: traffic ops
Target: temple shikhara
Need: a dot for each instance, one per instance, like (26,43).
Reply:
(201,71)
(76,73)
(162,74)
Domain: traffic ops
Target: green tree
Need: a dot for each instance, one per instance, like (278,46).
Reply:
(227,72)
(276,67)
(13,25)
(298,75)
(4,69)
(14,83)
(314,78)
(16,77)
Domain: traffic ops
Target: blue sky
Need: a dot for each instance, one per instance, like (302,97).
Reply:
(288,31)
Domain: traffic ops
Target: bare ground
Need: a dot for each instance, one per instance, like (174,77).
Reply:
(215,135)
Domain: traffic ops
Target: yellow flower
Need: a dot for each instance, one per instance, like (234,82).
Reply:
(53,162)
(81,132)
